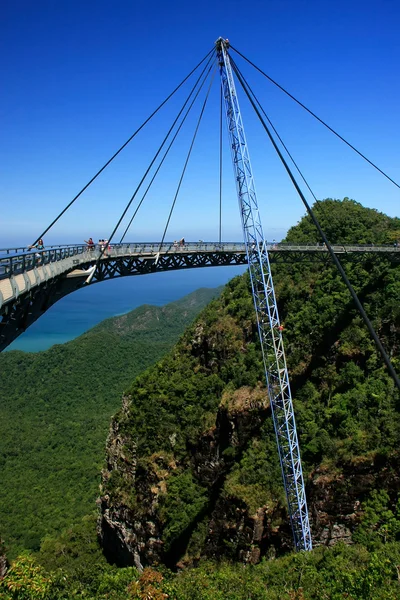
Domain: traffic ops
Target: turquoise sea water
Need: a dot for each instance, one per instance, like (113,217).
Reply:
(78,312)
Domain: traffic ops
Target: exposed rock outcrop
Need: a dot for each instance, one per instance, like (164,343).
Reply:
(335,499)
(131,526)
(3,561)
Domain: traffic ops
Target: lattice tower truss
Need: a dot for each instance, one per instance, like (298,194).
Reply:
(269,327)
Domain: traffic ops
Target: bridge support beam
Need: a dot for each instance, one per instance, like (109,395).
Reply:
(24,307)
(269,328)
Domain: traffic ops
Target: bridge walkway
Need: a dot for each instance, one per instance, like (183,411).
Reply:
(21,272)
(31,281)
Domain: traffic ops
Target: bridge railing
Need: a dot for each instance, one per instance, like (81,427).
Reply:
(154,248)
(14,264)
(14,261)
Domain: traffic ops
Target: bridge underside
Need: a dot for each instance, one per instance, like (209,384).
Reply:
(25,306)
(24,309)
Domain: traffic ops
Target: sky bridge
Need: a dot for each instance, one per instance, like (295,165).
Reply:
(32,279)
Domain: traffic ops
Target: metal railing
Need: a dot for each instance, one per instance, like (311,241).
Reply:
(15,264)
(14,261)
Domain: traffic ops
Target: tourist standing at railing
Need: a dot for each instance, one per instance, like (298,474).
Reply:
(90,244)
(39,246)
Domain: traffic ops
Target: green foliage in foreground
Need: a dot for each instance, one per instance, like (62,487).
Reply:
(55,412)
(337,573)
(73,567)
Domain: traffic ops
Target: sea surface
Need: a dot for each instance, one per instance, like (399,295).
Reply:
(81,310)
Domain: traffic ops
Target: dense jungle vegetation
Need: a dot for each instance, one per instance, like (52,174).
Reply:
(347,408)
(348,418)
(55,412)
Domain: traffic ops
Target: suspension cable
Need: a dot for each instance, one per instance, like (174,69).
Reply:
(211,59)
(220,164)
(320,204)
(335,259)
(275,131)
(186,161)
(166,153)
(316,117)
(121,148)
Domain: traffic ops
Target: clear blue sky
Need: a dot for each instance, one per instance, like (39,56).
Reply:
(78,76)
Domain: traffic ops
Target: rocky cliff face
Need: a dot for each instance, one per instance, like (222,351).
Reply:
(131,527)
(132,533)
(336,499)
(3,561)
(193,468)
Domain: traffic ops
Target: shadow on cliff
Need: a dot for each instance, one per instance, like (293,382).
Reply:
(330,336)
(179,546)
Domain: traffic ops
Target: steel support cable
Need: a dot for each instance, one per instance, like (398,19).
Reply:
(284,145)
(335,259)
(122,147)
(212,58)
(275,131)
(282,142)
(166,153)
(316,117)
(186,161)
(220,165)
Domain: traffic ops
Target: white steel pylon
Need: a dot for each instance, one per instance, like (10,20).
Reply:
(269,328)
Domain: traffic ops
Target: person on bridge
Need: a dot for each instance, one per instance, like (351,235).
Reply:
(90,244)
(39,246)
(182,242)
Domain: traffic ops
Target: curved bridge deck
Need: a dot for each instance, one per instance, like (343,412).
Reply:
(32,281)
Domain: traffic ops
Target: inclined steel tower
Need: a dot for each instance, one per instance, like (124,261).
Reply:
(269,327)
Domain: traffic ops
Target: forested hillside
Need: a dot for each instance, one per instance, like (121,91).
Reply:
(55,409)
(192,500)
(192,464)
